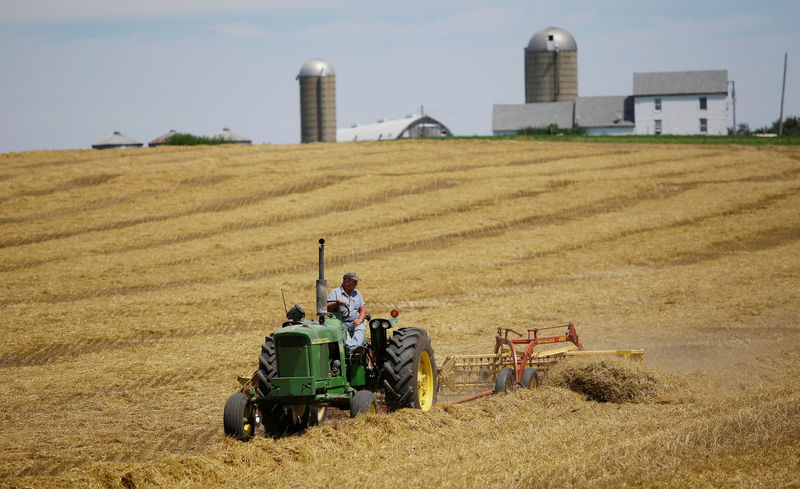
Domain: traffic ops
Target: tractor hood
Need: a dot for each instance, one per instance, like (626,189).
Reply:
(316,333)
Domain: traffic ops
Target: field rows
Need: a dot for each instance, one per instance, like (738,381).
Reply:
(138,284)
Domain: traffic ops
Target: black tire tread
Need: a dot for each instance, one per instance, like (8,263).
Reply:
(267,366)
(233,418)
(400,367)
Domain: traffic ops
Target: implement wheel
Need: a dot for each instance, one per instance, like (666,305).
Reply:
(363,402)
(239,417)
(505,381)
(409,376)
(530,379)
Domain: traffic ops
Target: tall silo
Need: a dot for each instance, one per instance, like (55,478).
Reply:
(317,102)
(551,67)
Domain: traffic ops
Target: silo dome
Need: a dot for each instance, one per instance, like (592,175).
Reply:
(551,67)
(550,38)
(316,67)
(317,102)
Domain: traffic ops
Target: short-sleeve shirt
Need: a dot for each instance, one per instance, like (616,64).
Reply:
(354,301)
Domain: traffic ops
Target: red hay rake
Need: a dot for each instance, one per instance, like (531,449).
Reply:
(512,366)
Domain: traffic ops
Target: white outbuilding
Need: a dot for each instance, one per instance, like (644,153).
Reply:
(227,135)
(117,140)
(411,126)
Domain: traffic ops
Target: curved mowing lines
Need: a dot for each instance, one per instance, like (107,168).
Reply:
(81,182)
(45,354)
(220,205)
(739,209)
(604,206)
(202,181)
(333,208)
(572,156)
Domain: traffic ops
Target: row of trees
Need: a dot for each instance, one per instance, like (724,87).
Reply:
(791,127)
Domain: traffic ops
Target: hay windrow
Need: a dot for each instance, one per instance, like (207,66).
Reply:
(614,380)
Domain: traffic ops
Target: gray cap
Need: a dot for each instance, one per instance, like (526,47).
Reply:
(351,275)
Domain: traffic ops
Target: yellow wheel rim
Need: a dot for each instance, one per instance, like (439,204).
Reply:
(299,410)
(320,413)
(425,382)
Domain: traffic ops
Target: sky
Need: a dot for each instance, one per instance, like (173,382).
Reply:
(74,71)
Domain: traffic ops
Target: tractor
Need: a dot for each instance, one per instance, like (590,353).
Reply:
(304,368)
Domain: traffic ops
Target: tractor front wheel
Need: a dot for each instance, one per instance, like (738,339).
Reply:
(363,402)
(239,417)
(409,376)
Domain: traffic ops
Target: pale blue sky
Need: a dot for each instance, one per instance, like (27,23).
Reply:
(74,71)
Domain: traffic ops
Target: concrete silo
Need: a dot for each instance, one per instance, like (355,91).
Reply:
(317,102)
(551,67)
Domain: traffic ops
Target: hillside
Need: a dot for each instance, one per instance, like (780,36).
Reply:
(137,284)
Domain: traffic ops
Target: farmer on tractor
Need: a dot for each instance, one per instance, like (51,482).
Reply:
(350,305)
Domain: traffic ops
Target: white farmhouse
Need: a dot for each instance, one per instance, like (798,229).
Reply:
(681,102)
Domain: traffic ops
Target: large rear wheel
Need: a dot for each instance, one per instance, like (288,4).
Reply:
(409,376)
(267,366)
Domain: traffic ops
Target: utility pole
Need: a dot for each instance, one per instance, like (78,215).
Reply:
(733,98)
(783,94)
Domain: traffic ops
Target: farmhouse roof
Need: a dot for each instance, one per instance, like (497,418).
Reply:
(228,135)
(610,111)
(680,83)
(540,115)
(116,140)
(389,129)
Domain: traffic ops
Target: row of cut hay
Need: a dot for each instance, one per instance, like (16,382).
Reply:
(612,379)
(550,437)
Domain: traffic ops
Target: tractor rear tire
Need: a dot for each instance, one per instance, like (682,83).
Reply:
(238,417)
(363,402)
(505,381)
(267,366)
(409,375)
(530,379)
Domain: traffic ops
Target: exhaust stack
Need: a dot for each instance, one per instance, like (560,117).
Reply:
(322,285)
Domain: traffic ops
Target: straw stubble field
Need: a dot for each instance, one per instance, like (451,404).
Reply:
(137,284)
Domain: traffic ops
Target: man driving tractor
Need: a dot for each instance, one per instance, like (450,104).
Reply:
(350,305)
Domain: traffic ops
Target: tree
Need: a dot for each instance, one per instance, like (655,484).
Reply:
(791,126)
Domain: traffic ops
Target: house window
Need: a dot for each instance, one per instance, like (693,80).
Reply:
(657,103)
(704,126)
(703,103)
(658,126)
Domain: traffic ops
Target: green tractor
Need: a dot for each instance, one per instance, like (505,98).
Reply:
(304,369)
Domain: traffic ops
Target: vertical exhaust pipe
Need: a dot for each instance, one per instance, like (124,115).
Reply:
(322,285)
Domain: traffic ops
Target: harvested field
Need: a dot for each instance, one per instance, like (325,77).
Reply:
(137,284)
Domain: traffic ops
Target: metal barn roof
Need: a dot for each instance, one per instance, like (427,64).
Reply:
(681,83)
(540,115)
(608,111)
(117,140)
(394,129)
